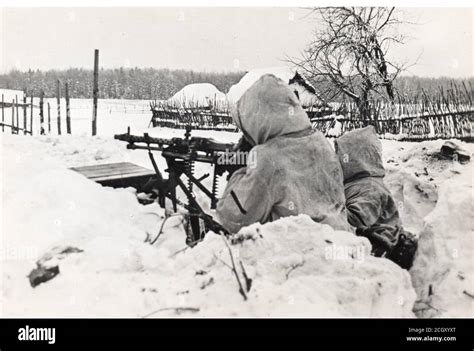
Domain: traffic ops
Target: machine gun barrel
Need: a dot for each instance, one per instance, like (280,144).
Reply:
(205,145)
(146,139)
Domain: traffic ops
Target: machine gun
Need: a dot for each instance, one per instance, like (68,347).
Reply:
(181,155)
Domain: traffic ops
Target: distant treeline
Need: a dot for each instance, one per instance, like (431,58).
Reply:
(120,83)
(152,83)
(412,85)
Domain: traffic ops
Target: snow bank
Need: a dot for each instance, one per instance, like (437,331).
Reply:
(297,267)
(435,200)
(199,94)
(294,267)
(46,205)
(415,198)
(302,268)
(415,174)
(443,272)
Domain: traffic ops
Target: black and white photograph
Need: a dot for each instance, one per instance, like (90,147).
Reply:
(244,161)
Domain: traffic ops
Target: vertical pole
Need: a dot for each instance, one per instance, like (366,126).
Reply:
(68,110)
(95,91)
(31,115)
(13,117)
(49,118)
(41,113)
(17,114)
(25,127)
(3,113)
(58,102)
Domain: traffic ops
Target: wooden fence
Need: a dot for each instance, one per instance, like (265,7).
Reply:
(26,127)
(447,114)
(14,125)
(213,117)
(457,125)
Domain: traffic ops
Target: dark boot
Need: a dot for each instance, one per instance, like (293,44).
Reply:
(404,251)
(393,243)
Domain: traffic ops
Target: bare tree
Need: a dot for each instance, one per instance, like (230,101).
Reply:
(349,54)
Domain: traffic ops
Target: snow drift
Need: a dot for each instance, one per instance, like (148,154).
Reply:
(435,200)
(291,267)
(443,269)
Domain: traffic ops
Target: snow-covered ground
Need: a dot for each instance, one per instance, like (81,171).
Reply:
(294,267)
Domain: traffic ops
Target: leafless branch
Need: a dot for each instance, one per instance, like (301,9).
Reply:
(350,53)
(234,269)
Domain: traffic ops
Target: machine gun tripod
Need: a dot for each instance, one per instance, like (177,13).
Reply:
(181,155)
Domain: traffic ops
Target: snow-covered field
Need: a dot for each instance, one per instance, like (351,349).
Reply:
(296,267)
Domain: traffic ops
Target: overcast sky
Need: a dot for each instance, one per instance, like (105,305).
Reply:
(212,39)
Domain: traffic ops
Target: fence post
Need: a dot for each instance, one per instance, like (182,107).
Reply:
(58,102)
(68,111)
(13,116)
(31,115)
(49,118)
(17,114)
(41,113)
(95,92)
(3,113)
(25,122)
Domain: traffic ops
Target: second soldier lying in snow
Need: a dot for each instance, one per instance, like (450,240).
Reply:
(371,208)
(294,169)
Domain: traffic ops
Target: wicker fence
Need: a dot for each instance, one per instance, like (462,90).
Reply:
(447,114)
(213,117)
(457,125)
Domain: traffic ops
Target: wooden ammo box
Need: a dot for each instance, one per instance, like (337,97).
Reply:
(117,175)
